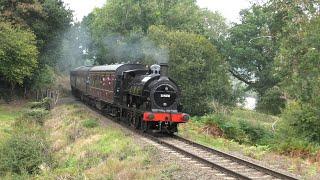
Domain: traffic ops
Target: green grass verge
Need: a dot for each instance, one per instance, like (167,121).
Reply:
(85,149)
(8,113)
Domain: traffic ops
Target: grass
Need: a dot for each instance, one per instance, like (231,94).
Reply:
(85,149)
(212,131)
(82,148)
(8,113)
(194,131)
(254,117)
(90,123)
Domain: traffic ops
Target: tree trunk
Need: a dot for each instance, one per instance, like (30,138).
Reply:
(12,89)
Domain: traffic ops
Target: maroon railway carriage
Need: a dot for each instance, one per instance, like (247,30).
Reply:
(144,98)
(79,80)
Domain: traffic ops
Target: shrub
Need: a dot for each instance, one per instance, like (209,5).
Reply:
(90,123)
(44,103)
(301,120)
(294,146)
(241,131)
(24,152)
(37,115)
(255,132)
(230,129)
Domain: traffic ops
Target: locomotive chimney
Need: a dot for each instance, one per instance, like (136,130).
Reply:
(164,69)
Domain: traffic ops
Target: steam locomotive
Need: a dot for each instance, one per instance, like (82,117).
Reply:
(145,98)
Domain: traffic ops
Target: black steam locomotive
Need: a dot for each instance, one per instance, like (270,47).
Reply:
(145,98)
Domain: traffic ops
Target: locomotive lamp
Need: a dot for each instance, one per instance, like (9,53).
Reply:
(151,116)
(186,117)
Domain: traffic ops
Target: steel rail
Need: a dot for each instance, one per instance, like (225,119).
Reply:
(259,167)
(194,156)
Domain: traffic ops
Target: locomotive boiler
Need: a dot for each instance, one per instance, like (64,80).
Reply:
(145,98)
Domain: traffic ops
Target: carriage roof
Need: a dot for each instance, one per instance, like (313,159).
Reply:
(117,68)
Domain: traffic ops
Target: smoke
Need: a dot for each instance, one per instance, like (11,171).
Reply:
(78,49)
(134,48)
(74,49)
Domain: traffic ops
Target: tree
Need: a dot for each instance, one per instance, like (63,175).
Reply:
(251,48)
(124,25)
(253,45)
(197,67)
(47,19)
(18,53)
(298,64)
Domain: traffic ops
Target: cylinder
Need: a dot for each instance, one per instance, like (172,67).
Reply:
(164,69)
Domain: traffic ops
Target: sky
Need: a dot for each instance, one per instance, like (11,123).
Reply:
(228,8)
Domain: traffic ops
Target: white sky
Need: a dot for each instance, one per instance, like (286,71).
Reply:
(228,8)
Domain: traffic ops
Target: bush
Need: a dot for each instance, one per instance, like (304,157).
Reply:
(24,152)
(90,123)
(255,132)
(37,115)
(241,131)
(301,120)
(44,103)
(230,129)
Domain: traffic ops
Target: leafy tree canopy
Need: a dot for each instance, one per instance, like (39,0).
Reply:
(18,53)
(253,45)
(48,20)
(298,65)
(197,66)
(125,23)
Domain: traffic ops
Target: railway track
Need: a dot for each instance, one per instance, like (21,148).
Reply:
(229,164)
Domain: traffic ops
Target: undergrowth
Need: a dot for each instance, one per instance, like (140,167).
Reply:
(26,148)
(255,135)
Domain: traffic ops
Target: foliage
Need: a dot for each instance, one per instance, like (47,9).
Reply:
(256,134)
(47,20)
(196,66)
(18,53)
(267,102)
(242,131)
(120,27)
(24,152)
(301,120)
(253,45)
(44,103)
(298,67)
(37,115)
(43,78)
